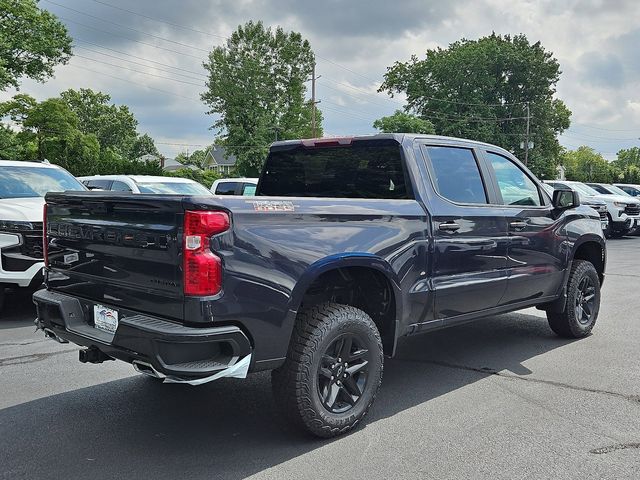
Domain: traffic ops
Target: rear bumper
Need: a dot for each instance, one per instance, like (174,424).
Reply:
(172,350)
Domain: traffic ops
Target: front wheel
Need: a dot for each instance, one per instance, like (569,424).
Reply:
(582,304)
(333,369)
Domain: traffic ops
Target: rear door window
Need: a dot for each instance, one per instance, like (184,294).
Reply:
(361,170)
(226,188)
(456,175)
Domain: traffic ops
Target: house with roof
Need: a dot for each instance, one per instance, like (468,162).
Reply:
(218,160)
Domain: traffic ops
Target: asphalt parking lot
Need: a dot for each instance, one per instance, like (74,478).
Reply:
(501,398)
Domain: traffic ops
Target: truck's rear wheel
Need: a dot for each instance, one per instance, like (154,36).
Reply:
(582,305)
(333,369)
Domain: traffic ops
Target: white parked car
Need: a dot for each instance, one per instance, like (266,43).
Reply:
(630,188)
(144,184)
(623,211)
(235,186)
(23,186)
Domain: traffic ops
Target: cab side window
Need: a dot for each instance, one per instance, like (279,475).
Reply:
(516,187)
(456,175)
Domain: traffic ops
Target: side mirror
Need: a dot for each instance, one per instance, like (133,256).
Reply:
(565,198)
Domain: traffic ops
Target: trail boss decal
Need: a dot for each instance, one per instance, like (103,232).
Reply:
(271,206)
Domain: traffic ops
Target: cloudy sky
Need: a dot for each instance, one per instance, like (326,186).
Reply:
(148,54)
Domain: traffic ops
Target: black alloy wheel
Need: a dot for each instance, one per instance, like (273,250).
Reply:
(342,373)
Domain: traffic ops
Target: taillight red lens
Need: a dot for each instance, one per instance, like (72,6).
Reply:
(202,268)
(45,242)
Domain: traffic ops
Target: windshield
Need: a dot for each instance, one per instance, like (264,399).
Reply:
(584,189)
(179,188)
(619,191)
(25,182)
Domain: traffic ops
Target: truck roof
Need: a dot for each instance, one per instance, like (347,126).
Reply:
(399,137)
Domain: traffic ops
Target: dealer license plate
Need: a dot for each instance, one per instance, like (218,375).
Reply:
(105,319)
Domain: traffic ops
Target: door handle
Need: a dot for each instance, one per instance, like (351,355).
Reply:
(449,226)
(518,225)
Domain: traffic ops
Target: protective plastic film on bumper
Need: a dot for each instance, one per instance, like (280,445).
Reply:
(237,370)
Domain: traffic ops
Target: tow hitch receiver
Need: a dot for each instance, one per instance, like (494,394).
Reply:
(93,355)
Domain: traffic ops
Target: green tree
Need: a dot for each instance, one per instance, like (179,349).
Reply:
(144,145)
(479,89)
(198,158)
(113,125)
(52,124)
(627,165)
(586,165)
(257,86)
(402,122)
(10,147)
(32,42)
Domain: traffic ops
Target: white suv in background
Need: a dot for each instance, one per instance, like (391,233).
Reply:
(623,211)
(144,184)
(23,186)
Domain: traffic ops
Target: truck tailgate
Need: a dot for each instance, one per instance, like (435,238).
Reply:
(120,250)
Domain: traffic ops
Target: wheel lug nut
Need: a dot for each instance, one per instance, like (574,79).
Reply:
(332,377)
(345,375)
(339,360)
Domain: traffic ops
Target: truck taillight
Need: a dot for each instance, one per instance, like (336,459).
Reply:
(45,243)
(202,268)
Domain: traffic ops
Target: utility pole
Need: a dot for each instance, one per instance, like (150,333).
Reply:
(526,136)
(313,99)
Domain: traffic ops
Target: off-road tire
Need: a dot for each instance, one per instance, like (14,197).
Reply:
(295,383)
(567,323)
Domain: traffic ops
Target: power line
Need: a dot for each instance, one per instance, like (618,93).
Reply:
(587,135)
(127,28)
(132,56)
(140,71)
(608,129)
(160,20)
(128,38)
(135,83)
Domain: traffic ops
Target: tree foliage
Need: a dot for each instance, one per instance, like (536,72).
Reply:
(256,84)
(52,130)
(627,165)
(144,145)
(32,42)
(586,165)
(402,122)
(478,88)
(113,125)
(198,158)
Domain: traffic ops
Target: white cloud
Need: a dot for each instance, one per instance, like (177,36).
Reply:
(594,41)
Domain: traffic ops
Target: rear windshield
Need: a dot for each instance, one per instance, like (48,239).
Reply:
(24,182)
(180,188)
(358,171)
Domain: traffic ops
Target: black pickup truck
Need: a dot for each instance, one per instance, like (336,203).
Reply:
(348,245)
